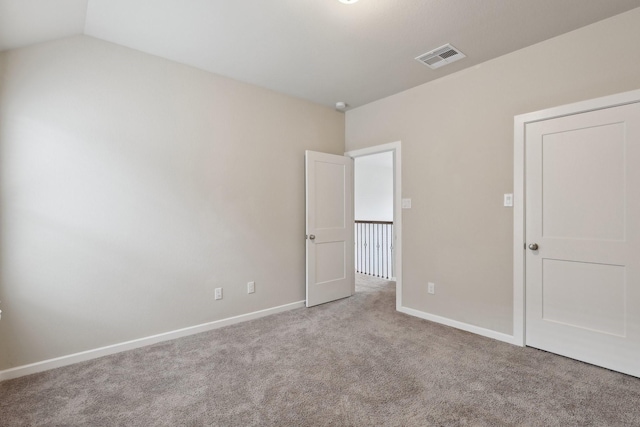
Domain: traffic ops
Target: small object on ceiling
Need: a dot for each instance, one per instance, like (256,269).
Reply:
(441,56)
(341,105)
(348,1)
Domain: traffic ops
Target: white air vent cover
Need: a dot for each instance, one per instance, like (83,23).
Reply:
(441,56)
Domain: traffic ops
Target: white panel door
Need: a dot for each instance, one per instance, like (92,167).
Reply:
(329,199)
(583,237)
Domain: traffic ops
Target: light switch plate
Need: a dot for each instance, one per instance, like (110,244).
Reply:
(406,203)
(508,200)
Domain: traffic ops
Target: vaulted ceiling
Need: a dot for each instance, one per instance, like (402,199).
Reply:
(320,50)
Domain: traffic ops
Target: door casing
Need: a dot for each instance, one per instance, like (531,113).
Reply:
(519,251)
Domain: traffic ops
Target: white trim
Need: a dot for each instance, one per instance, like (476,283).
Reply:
(396,148)
(518,235)
(519,172)
(460,325)
(141,342)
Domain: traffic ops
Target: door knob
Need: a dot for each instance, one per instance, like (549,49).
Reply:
(312,236)
(533,246)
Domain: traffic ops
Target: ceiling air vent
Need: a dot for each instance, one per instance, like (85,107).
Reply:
(441,56)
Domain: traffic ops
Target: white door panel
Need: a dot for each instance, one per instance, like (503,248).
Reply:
(583,211)
(329,196)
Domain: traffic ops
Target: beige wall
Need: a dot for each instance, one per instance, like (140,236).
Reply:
(457,151)
(132,186)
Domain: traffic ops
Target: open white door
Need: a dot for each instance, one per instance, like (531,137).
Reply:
(330,253)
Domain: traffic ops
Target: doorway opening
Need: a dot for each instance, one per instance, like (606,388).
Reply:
(378,221)
(373,210)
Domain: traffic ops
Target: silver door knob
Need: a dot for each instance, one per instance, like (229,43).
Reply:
(533,246)
(312,237)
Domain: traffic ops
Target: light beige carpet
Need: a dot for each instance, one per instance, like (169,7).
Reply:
(354,362)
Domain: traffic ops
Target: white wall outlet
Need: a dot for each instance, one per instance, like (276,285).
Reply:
(251,287)
(431,288)
(406,203)
(508,200)
(218,293)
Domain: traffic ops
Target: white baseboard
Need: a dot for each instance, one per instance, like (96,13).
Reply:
(460,325)
(70,359)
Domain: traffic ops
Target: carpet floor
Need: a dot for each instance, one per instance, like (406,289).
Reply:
(353,362)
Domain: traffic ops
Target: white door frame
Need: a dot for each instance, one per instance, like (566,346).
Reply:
(395,148)
(519,250)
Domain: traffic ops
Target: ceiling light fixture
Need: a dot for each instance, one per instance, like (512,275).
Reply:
(348,1)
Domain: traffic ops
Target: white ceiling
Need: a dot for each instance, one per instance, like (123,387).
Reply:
(320,50)
(25,22)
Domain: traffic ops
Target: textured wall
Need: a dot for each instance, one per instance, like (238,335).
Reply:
(457,151)
(373,187)
(132,186)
